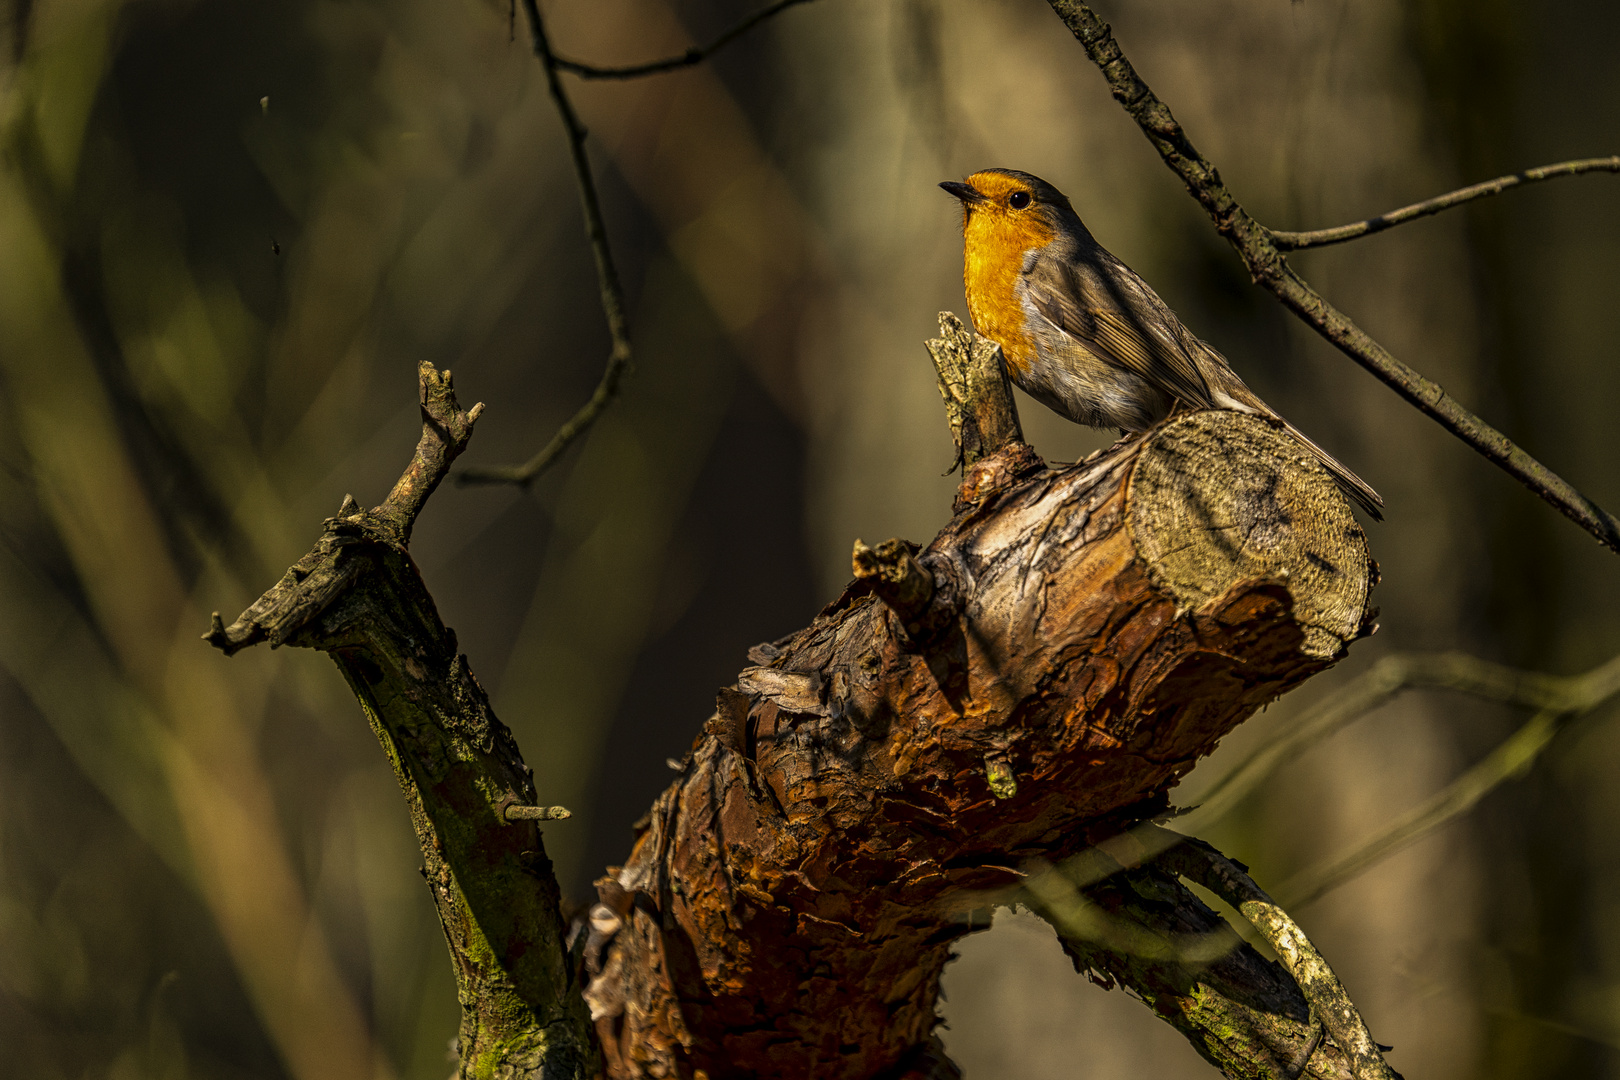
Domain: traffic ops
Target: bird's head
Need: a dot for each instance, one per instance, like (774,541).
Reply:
(1006,212)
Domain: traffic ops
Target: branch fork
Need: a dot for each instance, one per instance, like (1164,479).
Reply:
(323,575)
(1261,253)
(892,573)
(1059,655)
(358,597)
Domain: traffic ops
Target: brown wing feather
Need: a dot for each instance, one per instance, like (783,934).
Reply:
(1100,301)
(1118,318)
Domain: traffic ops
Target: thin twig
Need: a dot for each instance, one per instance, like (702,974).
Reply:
(537,813)
(1202,864)
(693,56)
(607,276)
(1560,699)
(1380,683)
(1512,758)
(1270,269)
(1297,241)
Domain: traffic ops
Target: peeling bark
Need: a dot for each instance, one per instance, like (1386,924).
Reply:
(791,903)
(1028,685)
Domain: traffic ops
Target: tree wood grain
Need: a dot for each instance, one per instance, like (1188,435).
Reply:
(1025,687)
(791,902)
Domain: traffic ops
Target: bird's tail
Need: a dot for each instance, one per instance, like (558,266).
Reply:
(1351,484)
(1229,392)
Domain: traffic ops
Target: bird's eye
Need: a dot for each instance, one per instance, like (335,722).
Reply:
(1018,200)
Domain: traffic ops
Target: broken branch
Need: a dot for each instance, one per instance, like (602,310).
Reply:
(895,576)
(1200,863)
(357,596)
(978,397)
(790,903)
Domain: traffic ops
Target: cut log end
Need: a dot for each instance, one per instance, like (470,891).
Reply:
(1096,629)
(1218,498)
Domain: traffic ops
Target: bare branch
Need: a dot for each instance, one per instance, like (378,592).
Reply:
(312,583)
(358,597)
(1202,864)
(1382,682)
(1270,269)
(1298,241)
(691,57)
(445,431)
(607,275)
(1125,919)
(1561,701)
(1512,758)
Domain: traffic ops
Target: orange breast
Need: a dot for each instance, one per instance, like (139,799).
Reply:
(994,244)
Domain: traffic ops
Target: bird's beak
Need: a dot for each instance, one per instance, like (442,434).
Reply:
(966,192)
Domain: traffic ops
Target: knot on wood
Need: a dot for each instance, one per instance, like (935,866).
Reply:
(892,572)
(991,475)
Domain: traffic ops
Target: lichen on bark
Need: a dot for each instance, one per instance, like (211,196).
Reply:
(357,596)
(1031,682)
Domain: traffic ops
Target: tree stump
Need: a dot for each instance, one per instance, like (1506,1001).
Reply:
(1035,679)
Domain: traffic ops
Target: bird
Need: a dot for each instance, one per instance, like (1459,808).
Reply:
(1080,332)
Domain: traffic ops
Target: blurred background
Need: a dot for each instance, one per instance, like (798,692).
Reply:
(229,232)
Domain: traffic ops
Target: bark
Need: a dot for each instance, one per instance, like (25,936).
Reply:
(1089,633)
(1030,684)
(1270,269)
(1242,1012)
(358,597)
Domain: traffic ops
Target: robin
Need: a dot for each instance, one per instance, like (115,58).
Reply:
(1081,333)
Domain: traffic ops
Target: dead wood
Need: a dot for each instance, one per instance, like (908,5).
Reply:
(978,394)
(1140,928)
(358,597)
(1025,687)
(1091,631)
